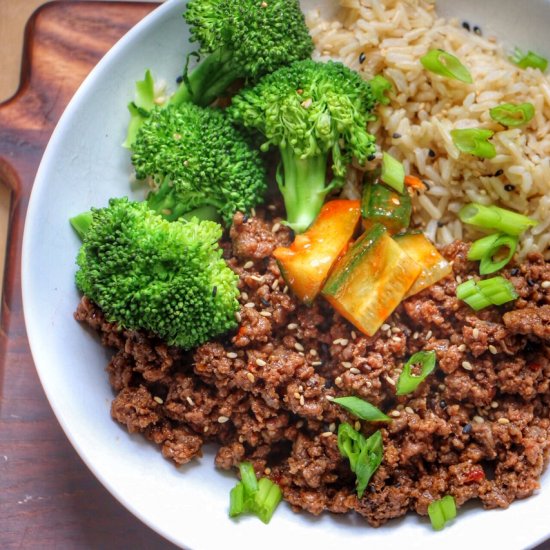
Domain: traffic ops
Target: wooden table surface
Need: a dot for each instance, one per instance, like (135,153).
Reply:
(48,498)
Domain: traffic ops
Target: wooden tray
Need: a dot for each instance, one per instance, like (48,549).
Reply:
(48,497)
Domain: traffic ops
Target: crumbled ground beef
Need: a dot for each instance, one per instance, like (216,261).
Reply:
(478,427)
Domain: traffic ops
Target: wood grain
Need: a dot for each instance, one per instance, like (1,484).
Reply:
(48,497)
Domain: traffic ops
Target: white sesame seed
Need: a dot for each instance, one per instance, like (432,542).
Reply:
(292,326)
(340,341)
(250,305)
(275,284)
(346,364)
(357,425)
(388,334)
(300,388)
(205,429)
(385,327)
(260,362)
(222,419)
(493,349)
(317,363)
(338,380)
(441,387)
(158,400)
(354,370)
(244,296)
(332,427)
(415,336)
(389,380)
(297,395)
(330,398)
(265,313)
(396,338)
(395,330)
(429,334)
(298,346)
(395,414)
(253,212)
(231,355)
(326,434)
(466,365)
(250,376)
(503,421)
(409,410)
(313,352)
(190,401)
(458,279)
(462,347)
(475,333)
(272,207)
(494,405)
(285,290)
(238,317)
(257,279)
(478,419)
(545,284)
(267,471)
(241,439)
(276,227)
(400,407)
(248,265)
(353,335)
(302,400)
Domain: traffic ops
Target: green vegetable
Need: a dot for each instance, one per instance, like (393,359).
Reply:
(441,511)
(380,86)
(512,115)
(139,109)
(252,496)
(362,409)
(197,159)
(474,141)
(311,111)
(393,173)
(408,382)
(481,294)
(164,277)
(445,64)
(364,454)
(487,248)
(529,59)
(237,40)
(384,205)
(493,217)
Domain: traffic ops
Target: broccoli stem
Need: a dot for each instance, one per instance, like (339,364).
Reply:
(81,223)
(303,187)
(207,81)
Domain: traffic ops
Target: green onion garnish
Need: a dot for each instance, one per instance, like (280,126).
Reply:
(512,115)
(362,409)
(441,511)
(379,86)
(250,495)
(445,64)
(493,217)
(407,381)
(393,173)
(364,454)
(529,59)
(481,294)
(474,141)
(487,248)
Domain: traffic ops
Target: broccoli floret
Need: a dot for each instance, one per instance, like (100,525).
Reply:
(241,39)
(310,110)
(164,277)
(197,159)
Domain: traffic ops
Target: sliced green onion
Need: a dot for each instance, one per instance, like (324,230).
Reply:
(481,294)
(512,115)
(445,64)
(488,264)
(493,217)
(379,86)
(479,248)
(362,409)
(529,59)
(250,495)
(474,141)
(407,381)
(364,454)
(441,511)
(393,172)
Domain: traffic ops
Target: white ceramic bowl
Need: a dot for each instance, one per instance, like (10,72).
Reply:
(84,165)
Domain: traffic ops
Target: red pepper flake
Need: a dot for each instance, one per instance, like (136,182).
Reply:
(475,474)
(535,367)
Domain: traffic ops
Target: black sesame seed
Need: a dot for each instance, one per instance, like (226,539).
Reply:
(530,282)
(426,184)
(265,302)
(466,25)
(362,57)
(396,135)
(431,153)
(443,404)
(499,173)
(477,30)
(179,80)
(514,272)
(291,234)
(371,157)
(509,187)
(245,218)
(214,291)
(328,383)
(440,223)
(467,429)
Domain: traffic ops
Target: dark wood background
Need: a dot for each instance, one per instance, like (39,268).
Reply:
(48,498)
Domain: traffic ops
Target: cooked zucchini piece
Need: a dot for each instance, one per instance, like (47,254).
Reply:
(381,204)
(306,264)
(368,283)
(434,266)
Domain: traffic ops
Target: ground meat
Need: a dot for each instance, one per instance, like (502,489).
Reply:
(477,428)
